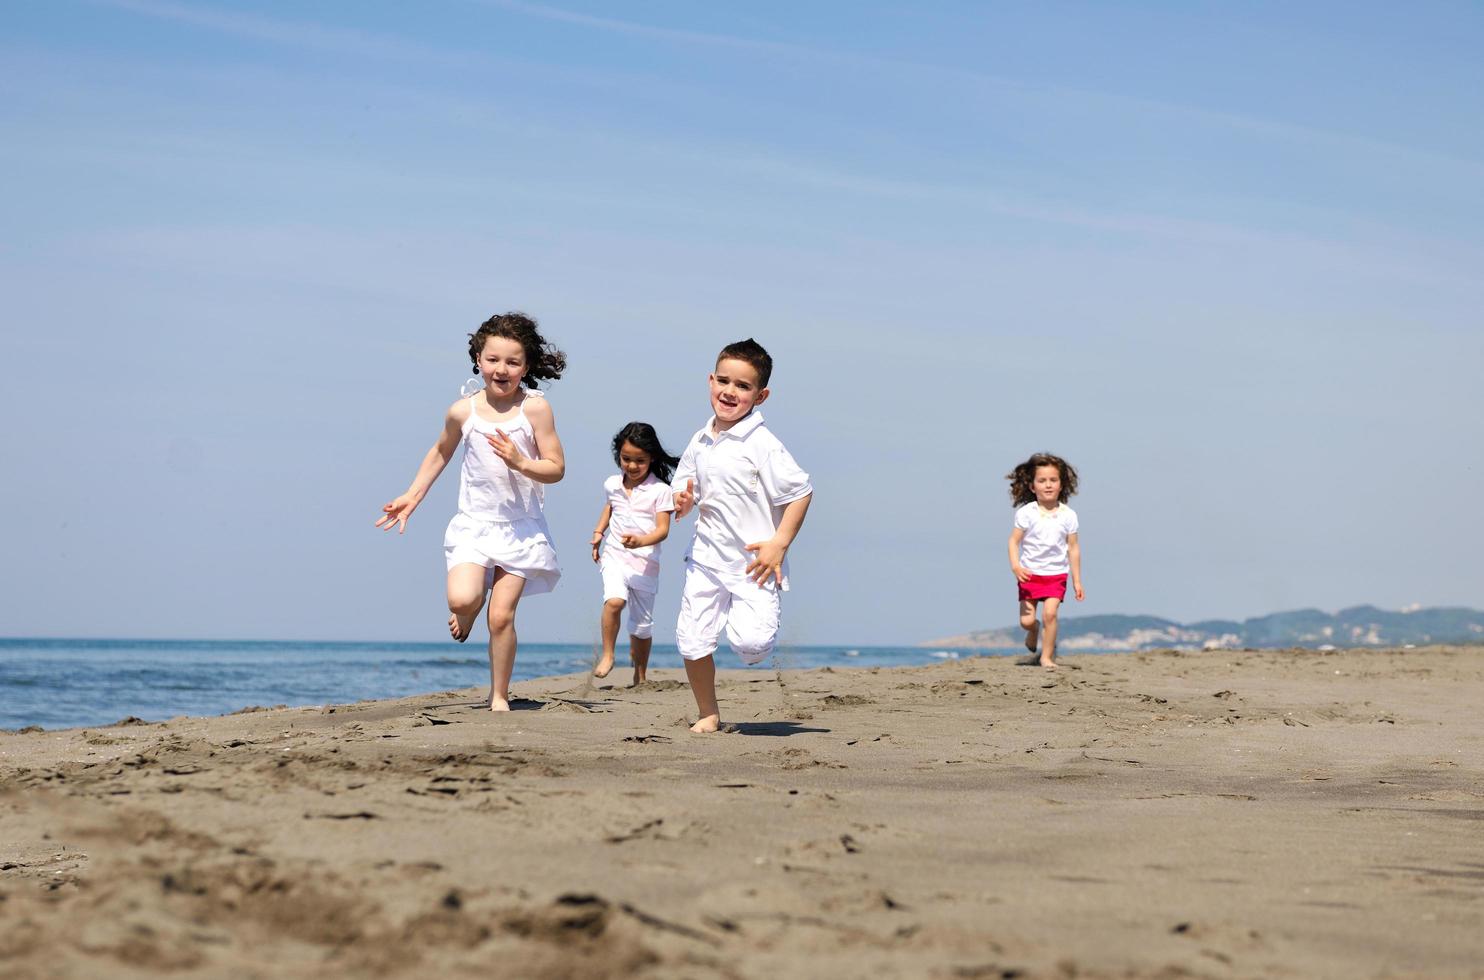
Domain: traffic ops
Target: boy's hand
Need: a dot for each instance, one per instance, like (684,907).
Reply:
(597,543)
(767,561)
(685,499)
(505,449)
(396,513)
(1021,575)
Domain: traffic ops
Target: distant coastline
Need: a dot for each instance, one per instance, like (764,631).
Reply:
(1358,626)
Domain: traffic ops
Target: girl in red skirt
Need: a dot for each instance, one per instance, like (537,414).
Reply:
(1043,547)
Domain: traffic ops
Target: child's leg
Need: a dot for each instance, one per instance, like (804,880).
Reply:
(641,630)
(639,656)
(752,622)
(1048,626)
(615,591)
(703,610)
(612,611)
(1029,624)
(504,596)
(465,598)
(702,676)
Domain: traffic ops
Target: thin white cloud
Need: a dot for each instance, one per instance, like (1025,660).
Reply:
(292,33)
(1350,142)
(365,44)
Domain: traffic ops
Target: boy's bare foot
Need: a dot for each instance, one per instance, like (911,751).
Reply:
(604,666)
(638,677)
(459,626)
(707,725)
(1032,637)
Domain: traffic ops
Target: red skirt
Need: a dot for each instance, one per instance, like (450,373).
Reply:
(1043,587)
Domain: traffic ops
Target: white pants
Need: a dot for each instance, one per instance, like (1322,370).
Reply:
(618,583)
(715,600)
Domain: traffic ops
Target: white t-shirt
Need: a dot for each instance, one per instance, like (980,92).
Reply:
(744,479)
(634,513)
(1043,550)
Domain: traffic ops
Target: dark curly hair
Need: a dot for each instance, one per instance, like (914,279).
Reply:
(753,353)
(643,436)
(543,361)
(1023,476)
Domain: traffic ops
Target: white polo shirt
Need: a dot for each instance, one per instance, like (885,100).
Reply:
(1043,550)
(635,513)
(744,479)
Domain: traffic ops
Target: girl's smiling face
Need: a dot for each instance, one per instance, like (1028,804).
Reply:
(634,462)
(1047,486)
(734,391)
(502,364)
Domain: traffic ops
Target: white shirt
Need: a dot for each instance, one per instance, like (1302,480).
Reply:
(635,513)
(488,488)
(1043,550)
(744,479)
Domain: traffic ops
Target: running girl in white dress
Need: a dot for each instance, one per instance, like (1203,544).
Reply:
(626,543)
(498,543)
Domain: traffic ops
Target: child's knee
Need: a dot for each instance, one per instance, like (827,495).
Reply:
(614,605)
(752,642)
(1048,615)
(1028,619)
(464,603)
(501,619)
(693,643)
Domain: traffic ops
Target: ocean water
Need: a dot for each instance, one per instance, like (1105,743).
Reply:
(74,683)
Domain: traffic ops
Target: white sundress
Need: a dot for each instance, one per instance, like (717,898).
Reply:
(500,523)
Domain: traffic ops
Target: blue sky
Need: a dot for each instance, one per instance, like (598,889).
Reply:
(1222,257)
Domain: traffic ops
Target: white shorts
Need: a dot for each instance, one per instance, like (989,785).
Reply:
(715,600)
(620,583)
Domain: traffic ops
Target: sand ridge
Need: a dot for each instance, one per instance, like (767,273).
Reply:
(1221,814)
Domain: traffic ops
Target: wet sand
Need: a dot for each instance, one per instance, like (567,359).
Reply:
(1218,814)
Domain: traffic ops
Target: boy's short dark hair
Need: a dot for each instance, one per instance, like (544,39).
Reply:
(752,352)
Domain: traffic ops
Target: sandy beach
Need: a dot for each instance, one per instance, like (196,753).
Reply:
(1216,814)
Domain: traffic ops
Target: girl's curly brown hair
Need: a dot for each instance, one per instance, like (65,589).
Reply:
(543,361)
(1023,476)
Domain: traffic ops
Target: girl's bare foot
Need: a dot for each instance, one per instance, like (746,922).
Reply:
(459,626)
(707,725)
(1032,636)
(1048,664)
(604,665)
(499,703)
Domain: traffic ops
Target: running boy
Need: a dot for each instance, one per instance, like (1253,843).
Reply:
(751,499)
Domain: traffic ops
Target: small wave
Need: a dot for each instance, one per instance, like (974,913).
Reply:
(433,662)
(850,653)
(946,654)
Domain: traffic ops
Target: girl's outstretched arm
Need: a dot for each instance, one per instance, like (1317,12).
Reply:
(551,465)
(1074,556)
(601,530)
(1021,575)
(397,512)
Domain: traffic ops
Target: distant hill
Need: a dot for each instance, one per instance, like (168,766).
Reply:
(1360,626)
